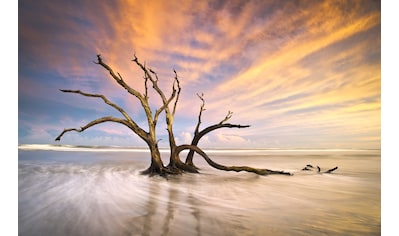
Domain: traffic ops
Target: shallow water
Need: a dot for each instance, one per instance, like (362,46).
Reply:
(100,192)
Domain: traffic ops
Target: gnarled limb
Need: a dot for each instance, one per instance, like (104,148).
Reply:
(133,125)
(118,78)
(147,76)
(202,109)
(142,98)
(228,168)
(199,134)
(95,122)
(178,92)
(175,93)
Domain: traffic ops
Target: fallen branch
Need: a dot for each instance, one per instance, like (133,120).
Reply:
(309,167)
(215,165)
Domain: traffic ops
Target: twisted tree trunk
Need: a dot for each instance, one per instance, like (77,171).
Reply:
(157,166)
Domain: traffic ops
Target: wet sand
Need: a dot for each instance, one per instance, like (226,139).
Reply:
(102,193)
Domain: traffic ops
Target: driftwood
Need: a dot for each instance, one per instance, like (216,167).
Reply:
(309,167)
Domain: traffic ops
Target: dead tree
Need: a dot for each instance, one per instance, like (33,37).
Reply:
(175,166)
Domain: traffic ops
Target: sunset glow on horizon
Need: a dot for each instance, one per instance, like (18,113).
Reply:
(303,74)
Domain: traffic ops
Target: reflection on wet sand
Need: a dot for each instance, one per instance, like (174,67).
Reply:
(57,196)
(168,212)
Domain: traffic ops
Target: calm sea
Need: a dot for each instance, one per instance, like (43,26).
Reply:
(99,191)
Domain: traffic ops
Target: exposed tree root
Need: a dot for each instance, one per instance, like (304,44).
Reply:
(175,169)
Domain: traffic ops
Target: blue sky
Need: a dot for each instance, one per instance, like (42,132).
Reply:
(303,74)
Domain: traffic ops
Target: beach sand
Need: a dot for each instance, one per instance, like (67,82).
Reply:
(101,192)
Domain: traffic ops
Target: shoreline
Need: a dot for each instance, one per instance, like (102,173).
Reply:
(59,147)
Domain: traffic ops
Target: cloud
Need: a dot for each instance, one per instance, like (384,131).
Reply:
(186,137)
(284,67)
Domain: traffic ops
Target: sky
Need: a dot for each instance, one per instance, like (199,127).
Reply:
(303,74)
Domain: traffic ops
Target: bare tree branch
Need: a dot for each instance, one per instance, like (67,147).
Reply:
(105,99)
(146,87)
(228,116)
(199,134)
(95,122)
(165,104)
(147,74)
(163,107)
(143,99)
(168,115)
(119,79)
(202,108)
(218,126)
(178,92)
(133,124)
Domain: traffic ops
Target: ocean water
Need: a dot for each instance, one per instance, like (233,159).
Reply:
(65,190)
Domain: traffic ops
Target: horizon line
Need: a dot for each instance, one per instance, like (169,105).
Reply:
(144,148)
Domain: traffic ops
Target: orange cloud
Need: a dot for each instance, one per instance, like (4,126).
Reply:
(273,63)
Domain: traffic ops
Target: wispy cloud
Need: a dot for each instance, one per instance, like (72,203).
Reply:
(298,72)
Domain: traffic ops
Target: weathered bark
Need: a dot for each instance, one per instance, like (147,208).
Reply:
(229,168)
(157,167)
